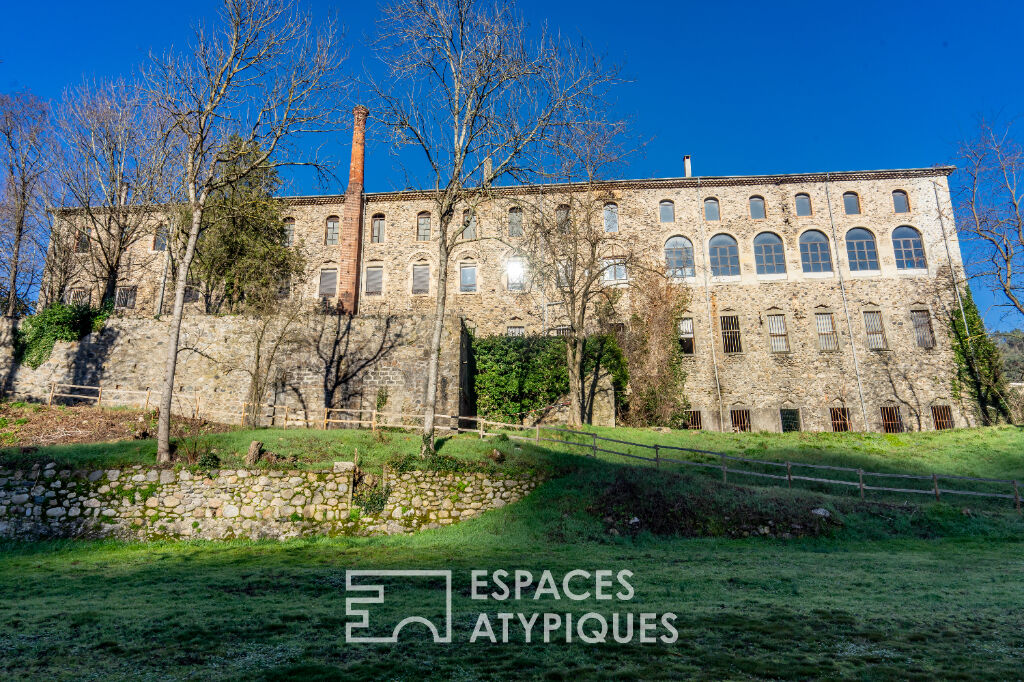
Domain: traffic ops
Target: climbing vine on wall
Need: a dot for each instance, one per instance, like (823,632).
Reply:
(57,322)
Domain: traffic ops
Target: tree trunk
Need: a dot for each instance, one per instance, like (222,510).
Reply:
(163,434)
(434,360)
(12,285)
(574,357)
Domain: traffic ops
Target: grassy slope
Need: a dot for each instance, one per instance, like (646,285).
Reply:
(886,598)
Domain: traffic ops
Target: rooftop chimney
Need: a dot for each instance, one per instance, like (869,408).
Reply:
(686,166)
(350,240)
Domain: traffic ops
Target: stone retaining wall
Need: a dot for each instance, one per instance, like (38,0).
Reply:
(149,503)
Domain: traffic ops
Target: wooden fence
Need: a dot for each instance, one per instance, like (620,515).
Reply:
(588,442)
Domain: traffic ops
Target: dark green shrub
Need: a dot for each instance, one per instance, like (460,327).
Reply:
(56,322)
(373,498)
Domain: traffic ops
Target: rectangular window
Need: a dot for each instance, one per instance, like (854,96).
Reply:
(840,419)
(731,333)
(923,328)
(515,222)
(467,279)
(469,221)
(82,242)
(740,420)
(331,237)
(778,340)
(560,330)
(692,420)
(516,273)
(515,331)
(328,283)
(125,297)
(374,281)
(421,279)
(284,289)
(377,229)
(873,326)
(423,228)
(289,233)
(160,238)
(614,270)
(790,419)
(686,339)
(828,339)
(77,296)
(192,293)
(942,417)
(892,420)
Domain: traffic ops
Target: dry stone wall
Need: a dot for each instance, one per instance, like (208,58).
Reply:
(148,503)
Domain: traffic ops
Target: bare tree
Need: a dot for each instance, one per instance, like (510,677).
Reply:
(466,85)
(25,161)
(112,175)
(234,103)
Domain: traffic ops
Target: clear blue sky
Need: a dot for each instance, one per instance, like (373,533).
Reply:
(757,87)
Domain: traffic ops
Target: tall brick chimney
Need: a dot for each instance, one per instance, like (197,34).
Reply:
(351,237)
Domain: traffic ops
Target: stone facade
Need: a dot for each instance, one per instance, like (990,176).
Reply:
(147,503)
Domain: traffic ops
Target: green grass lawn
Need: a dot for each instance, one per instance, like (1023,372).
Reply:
(892,593)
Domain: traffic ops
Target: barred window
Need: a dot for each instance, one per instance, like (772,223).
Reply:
(284,288)
(757,208)
(900,202)
(711,209)
(77,296)
(421,278)
(82,242)
(923,328)
(803,205)
(815,255)
(562,217)
(289,232)
(124,297)
(328,283)
(467,278)
(423,227)
(790,419)
(692,420)
(909,249)
(377,229)
(724,255)
(679,257)
(825,324)
(560,330)
(875,332)
(840,417)
(516,273)
(667,211)
(192,292)
(515,222)
(160,238)
(374,280)
(611,217)
(942,417)
(331,234)
(515,331)
(778,339)
(740,420)
(731,333)
(769,255)
(892,420)
(469,224)
(851,203)
(860,249)
(686,338)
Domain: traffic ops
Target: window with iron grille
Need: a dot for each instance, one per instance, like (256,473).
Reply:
(692,420)
(731,333)
(611,217)
(328,283)
(515,331)
(374,281)
(515,222)
(778,339)
(467,279)
(77,296)
(828,339)
(423,227)
(892,420)
(923,328)
(840,417)
(686,339)
(562,217)
(469,223)
(192,292)
(560,330)
(160,238)
(82,243)
(331,234)
(377,229)
(740,420)
(124,297)
(873,327)
(421,279)
(942,417)
(790,419)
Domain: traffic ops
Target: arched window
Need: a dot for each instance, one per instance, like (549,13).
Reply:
(679,257)
(469,224)
(909,249)
(515,222)
(667,211)
(562,217)
(423,227)
(331,233)
(724,255)
(711,209)
(611,217)
(900,202)
(377,228)
(803,205)
(757,208)
(814,252)
(860,249)
(851,203)
(769,254)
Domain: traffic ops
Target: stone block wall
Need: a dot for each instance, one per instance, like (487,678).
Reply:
(149,503)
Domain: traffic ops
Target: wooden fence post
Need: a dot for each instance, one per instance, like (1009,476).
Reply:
(935,483)
(326,412)
(53,387)
(147,400)
(593,445)
(1016,496)
(789,474)
(99,396)
(657,457)
(536,433)
(860,479)
(286,416)
(480,427)
(724,470)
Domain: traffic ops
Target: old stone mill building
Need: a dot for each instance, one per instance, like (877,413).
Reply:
(818,300)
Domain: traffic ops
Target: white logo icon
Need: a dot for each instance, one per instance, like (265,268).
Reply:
(377,597)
